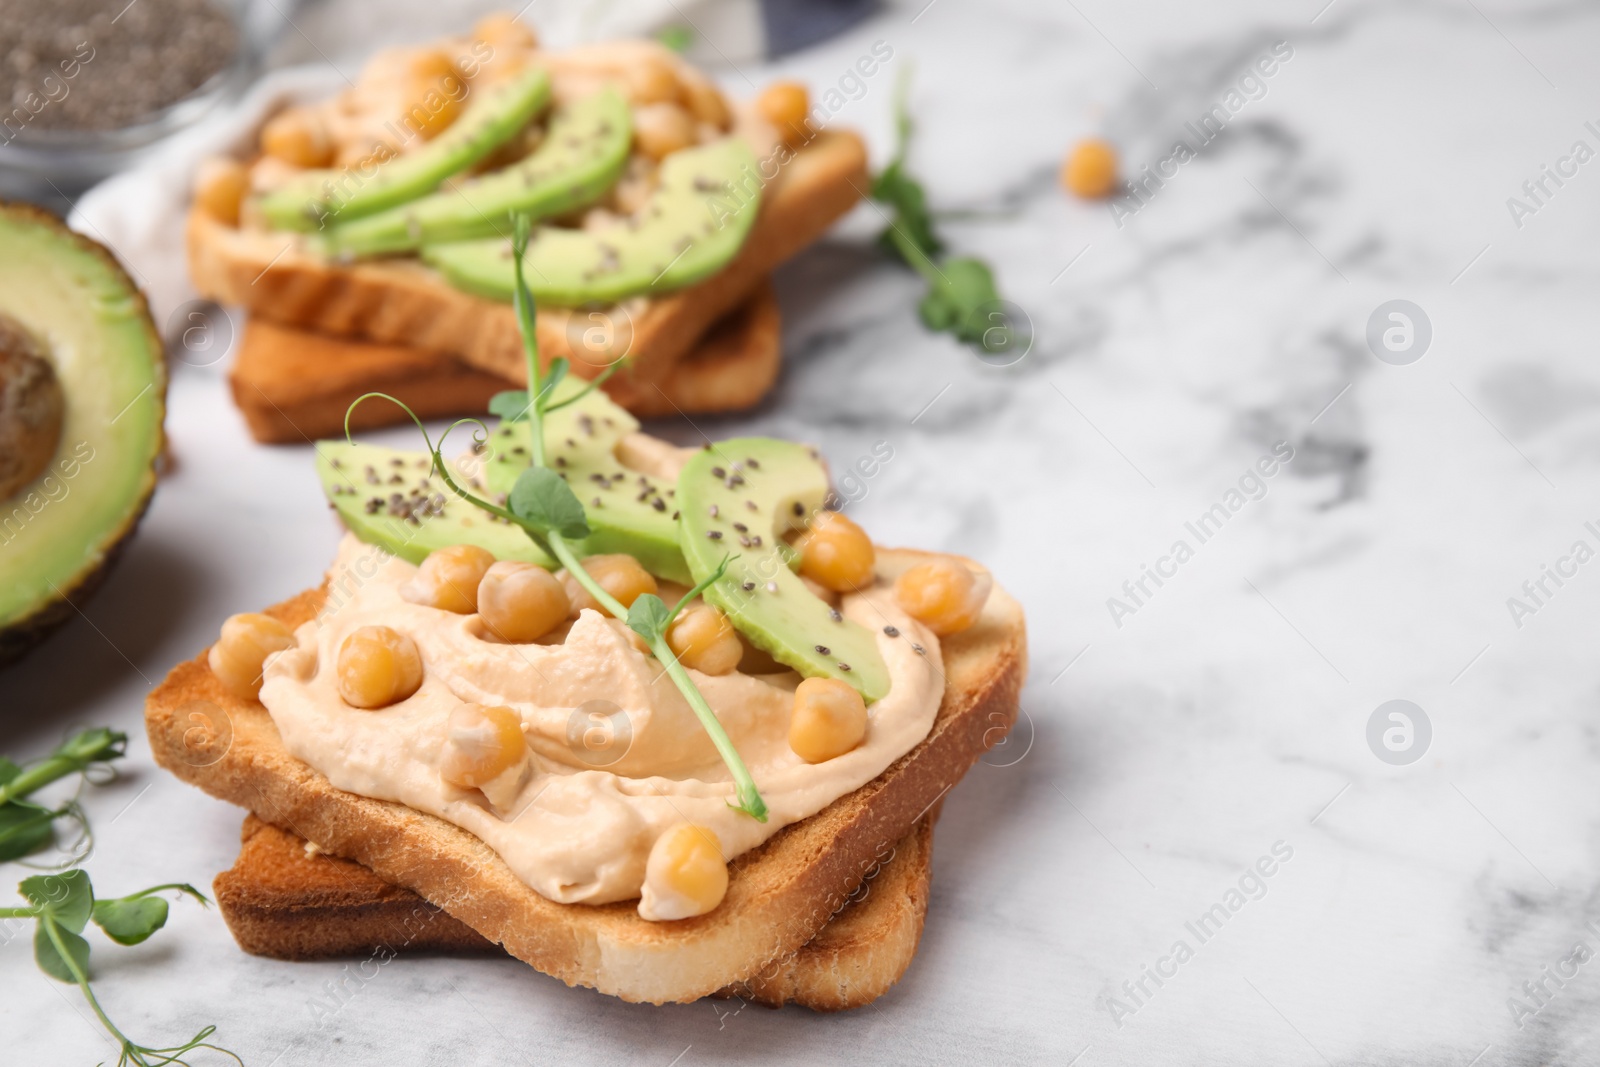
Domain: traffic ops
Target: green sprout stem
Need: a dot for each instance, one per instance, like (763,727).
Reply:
(915,256)
(561,549)
(74,755)
(130,1050)
(750,801)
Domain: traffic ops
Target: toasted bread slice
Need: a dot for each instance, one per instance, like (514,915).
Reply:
(284,899)
(400,301)
(779,894)
(295,385)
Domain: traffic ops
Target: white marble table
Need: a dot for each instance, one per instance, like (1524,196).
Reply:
(1226,718)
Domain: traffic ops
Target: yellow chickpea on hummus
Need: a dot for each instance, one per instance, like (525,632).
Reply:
(574,831)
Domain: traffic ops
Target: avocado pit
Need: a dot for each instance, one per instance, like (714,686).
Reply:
(31,408)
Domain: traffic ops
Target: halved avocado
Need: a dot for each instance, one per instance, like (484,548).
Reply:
(74,332)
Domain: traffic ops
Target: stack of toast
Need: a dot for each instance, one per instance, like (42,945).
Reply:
(322,330)
(827,913)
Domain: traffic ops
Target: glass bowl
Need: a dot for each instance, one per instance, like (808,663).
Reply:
(39,163)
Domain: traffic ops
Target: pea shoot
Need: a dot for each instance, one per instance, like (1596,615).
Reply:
(63,905)
(26,826)
(961,297)
(545,507)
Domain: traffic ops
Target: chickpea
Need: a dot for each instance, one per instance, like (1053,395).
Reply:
(502,30)
(242,650)
(662,129)
(299,136)
(685,874)
(482,744)
(1091,169)
(219,188)
(618,574)
(943,595)
(836,553)
(785,105)
(829,719)
(366,154)
(650,80)
(378,666)
(448,579)
(433,95)
(704,99)
(703,639)
(521,602)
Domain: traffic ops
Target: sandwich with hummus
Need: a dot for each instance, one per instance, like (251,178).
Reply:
(642,715)
(367,234)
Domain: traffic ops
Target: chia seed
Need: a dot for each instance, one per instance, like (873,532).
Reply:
(117,66)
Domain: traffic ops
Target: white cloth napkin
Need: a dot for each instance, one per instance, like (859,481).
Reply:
(139,213)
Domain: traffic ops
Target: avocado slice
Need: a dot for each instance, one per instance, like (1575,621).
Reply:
(493,116)
(628,511)
(389,497)
(739,497)
(581,156)
(66,303)
(693,224)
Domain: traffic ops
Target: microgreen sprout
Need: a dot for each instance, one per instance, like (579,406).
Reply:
(25,826)
(545,507)
(63,905)
(961,297)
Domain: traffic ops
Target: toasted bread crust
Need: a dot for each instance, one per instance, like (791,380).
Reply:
(294,385)
(286,901)
(401,301)
(779,895)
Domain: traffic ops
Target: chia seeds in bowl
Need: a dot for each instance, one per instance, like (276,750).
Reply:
(86,84)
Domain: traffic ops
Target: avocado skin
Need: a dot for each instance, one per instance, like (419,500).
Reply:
(777,613)
(694,224)
(305,203)
(597,130)
(18,638)
(21,634)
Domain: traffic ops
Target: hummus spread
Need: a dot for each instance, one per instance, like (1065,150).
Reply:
(617,754)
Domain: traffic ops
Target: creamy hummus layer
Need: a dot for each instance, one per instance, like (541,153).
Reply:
(605,784)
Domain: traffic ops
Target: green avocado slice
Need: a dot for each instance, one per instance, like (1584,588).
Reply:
(739,497)
(389,497)
(69,310)
(581,157)
(694,223)
(318,198)
(628,510)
